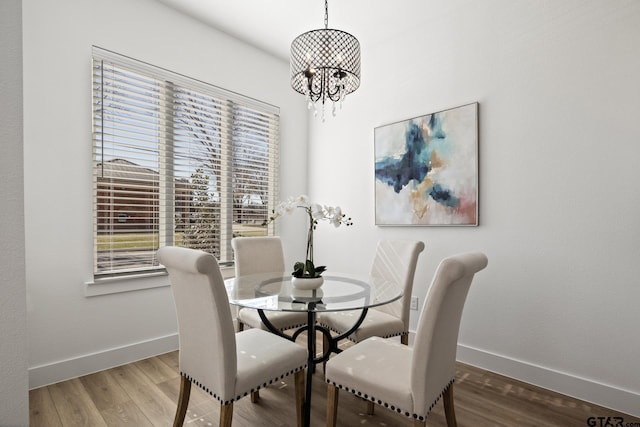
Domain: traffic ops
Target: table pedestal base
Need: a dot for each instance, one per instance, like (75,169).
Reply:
(312,359)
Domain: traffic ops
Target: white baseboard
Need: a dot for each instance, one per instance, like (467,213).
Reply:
(605,395)
(42,375)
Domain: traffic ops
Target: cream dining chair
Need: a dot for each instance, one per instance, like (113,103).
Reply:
(411,380)
(395,260)
(226,365)
(253,255)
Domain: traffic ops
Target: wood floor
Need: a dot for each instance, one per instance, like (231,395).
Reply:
(145,393)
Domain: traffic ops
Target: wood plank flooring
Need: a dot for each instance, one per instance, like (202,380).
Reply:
(145,393)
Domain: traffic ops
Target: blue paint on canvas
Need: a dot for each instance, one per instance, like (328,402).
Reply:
(435,124)
(443,196)
(414,164)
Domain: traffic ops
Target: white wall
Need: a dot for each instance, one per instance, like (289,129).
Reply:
(14,405)
(69,333)
(559,101)
(557,84)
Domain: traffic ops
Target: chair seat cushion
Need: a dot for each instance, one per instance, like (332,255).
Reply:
(282,357)
(380,366)
(280,319)
(376,323)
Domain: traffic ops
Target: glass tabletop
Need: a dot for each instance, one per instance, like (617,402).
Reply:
(340,291)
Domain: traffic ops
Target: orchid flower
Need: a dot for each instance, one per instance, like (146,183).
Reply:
(315,212)
(336,216)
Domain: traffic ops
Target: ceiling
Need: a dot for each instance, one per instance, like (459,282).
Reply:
(271,25)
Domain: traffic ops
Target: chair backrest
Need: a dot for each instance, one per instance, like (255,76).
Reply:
(257,255)
(396,261)
(434,350)
(205,327)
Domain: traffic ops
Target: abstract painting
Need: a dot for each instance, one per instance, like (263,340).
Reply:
(426,169)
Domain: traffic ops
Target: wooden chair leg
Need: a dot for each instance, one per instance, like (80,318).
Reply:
(240,326)
(332,405)
(404,339)
(325,348)
(449,412)
(183,402)
(300,391)
(418,423)
(370,407)
(226,415)
(255,396)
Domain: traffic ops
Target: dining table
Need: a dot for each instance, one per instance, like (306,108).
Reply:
(272,292)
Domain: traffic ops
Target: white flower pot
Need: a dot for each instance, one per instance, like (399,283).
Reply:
(307,283)
(306,295)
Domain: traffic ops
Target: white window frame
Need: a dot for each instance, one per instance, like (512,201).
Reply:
(148,278)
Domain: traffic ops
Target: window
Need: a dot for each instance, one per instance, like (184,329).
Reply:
(176,162)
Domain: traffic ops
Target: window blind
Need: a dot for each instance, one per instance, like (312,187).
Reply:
(176,162)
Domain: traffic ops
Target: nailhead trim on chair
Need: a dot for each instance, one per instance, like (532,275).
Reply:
(246,393)
(352,340)
(282,329)
(392,407)
(293,326)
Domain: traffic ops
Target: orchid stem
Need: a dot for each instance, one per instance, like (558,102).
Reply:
(309,241)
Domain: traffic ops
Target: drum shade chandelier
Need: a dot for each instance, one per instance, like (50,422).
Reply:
(325,65)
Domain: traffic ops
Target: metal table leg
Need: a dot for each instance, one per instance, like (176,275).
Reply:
(312,360)
(311,347)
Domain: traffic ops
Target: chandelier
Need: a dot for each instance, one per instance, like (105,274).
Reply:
(325,65)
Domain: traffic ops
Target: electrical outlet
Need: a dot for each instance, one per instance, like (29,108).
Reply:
(414,303)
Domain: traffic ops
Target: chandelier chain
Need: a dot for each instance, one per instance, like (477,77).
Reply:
(326,14)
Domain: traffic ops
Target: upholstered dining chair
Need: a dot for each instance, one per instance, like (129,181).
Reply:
(226,365)
(395,260)
(253,255)
(411,380)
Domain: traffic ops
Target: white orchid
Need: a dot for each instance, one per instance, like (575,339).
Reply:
(316,212)
(303,200)
(289,208)
(336,217)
